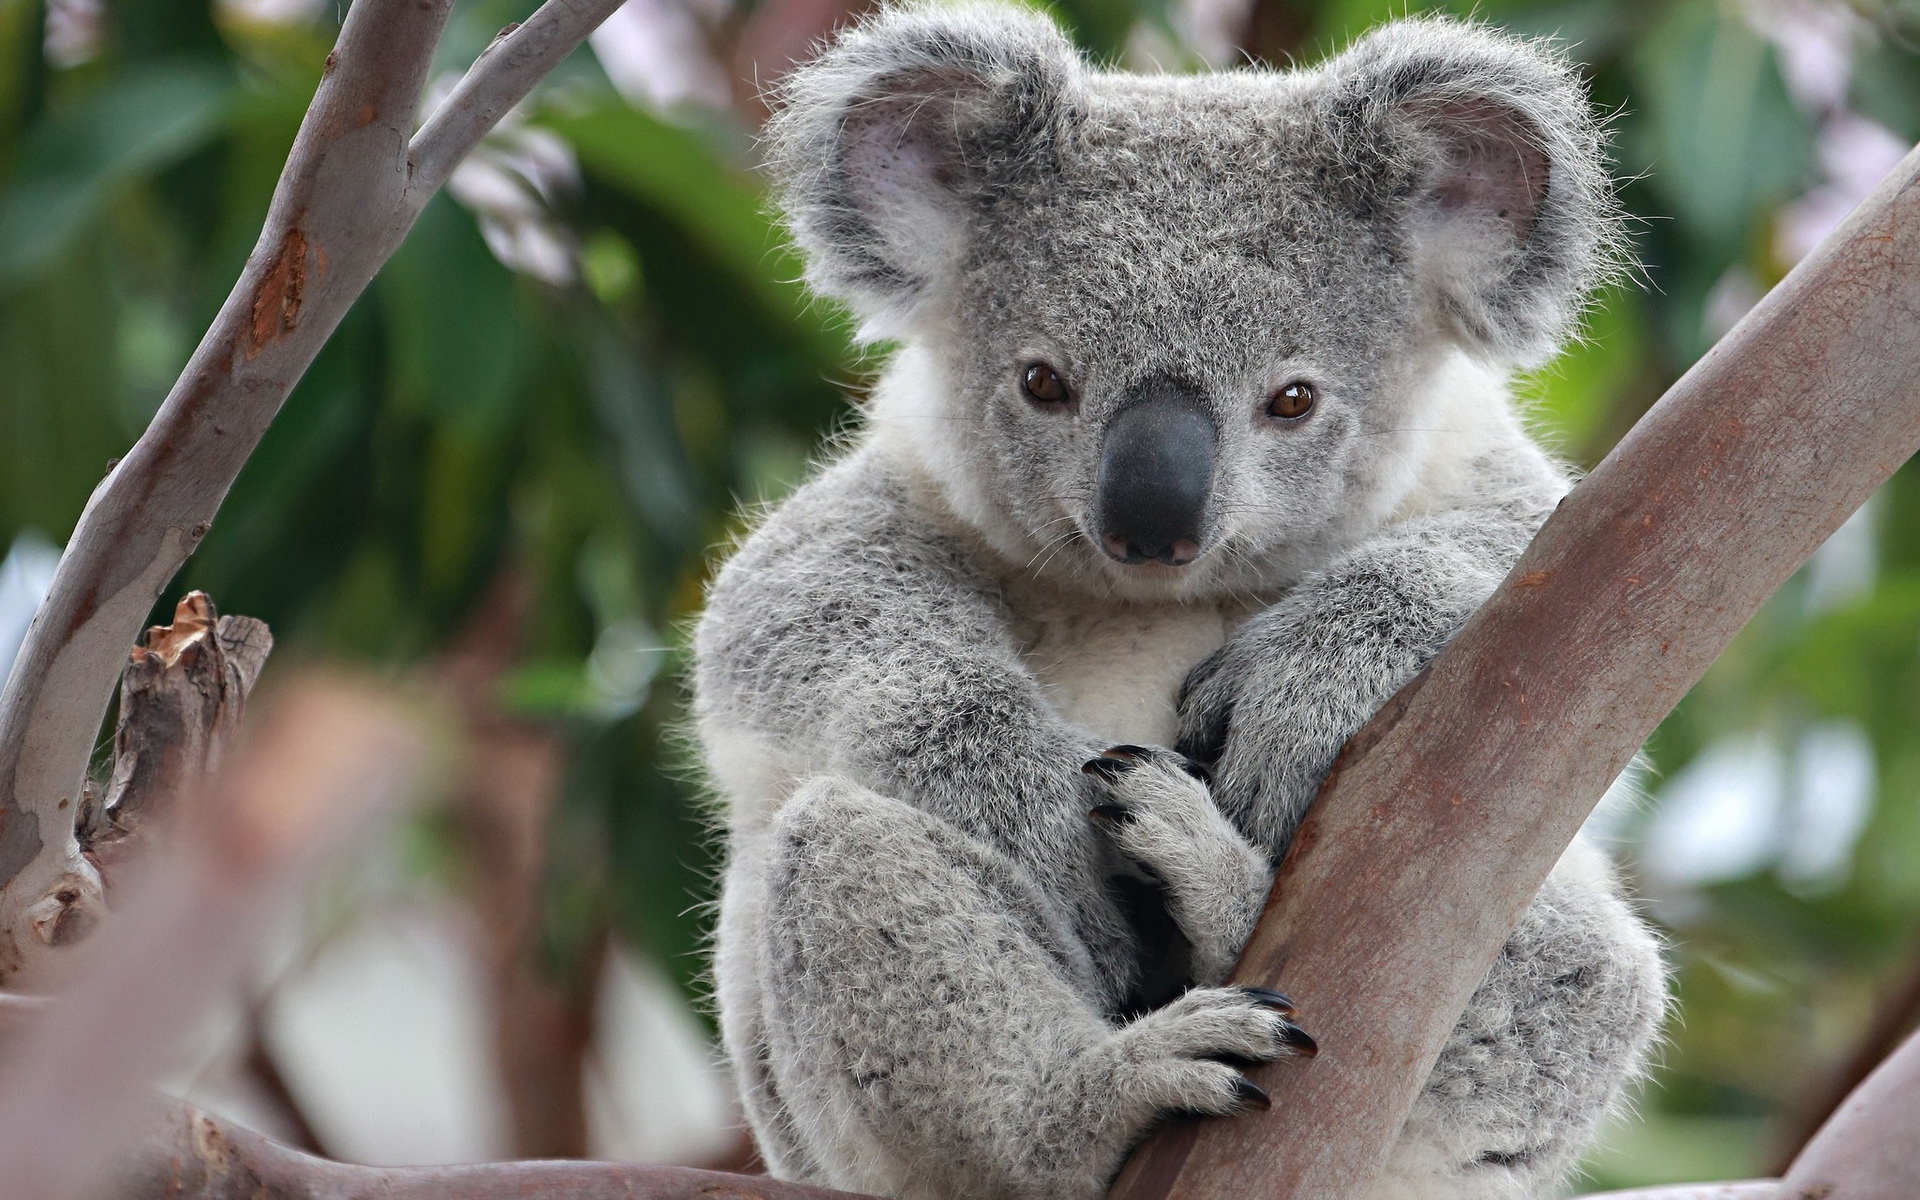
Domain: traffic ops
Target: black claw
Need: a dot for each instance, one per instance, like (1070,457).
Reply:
(1279,1002)
(1108,769)
(1116,814)
(1196,770)
(1130,753)
(1299,1040)
(1251,1094)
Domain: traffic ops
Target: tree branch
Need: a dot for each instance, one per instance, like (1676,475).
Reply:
(503,76)
(1870,1148)
(1752,1189)
(352,186)
(328,756)
(189,1155)
(1445,814)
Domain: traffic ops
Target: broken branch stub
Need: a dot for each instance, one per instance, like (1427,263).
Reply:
(182,696)
(1445,813)
(354,182)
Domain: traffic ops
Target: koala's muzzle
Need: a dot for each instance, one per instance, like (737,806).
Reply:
(1156,473)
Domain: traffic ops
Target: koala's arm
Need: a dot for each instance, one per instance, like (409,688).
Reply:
(850,636)
(1271,709)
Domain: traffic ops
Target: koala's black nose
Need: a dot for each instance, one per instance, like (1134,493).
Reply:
(1156,472)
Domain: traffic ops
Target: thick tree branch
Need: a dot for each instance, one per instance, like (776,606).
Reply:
(1446,812)
(353,184)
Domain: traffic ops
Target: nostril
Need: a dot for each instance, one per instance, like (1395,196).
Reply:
(1121,550)
(1177,554)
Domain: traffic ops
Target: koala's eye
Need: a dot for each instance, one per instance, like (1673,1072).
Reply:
(1044,387)
(1292,401)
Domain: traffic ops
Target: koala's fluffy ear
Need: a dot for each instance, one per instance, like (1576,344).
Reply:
(881,142)
(1511,213)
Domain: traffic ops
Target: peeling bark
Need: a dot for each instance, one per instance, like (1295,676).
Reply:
(182,696)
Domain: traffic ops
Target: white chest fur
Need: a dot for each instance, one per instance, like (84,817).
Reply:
(1116,671)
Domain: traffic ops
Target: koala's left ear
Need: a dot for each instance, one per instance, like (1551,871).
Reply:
(1486,146)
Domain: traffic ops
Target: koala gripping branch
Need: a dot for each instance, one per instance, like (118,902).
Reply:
(1445,814)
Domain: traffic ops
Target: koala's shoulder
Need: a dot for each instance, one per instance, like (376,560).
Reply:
(856,527)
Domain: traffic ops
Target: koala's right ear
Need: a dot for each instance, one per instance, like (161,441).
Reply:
(882,142)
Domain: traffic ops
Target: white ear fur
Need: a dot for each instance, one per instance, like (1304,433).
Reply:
(882,142)
(1512,219)
(899,156)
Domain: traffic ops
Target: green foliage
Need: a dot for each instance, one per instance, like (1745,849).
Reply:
(600,434)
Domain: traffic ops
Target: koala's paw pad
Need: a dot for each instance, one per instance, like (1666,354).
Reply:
(1187,1056)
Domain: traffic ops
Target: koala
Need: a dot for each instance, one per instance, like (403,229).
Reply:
(1193,443)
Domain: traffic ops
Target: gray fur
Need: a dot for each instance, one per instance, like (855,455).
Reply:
(938,977)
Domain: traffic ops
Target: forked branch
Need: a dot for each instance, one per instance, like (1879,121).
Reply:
(356,179)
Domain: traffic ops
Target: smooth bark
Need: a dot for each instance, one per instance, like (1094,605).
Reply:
(188,1155)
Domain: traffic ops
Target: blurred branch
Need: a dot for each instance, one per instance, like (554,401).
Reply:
(1870,1147)
(189,1155)
(512,773)
(1446,812)
(353,184)
(271,1087)
(1894,1018)
(328,756)
(773,36)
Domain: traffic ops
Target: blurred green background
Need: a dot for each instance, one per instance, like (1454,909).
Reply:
(538,425)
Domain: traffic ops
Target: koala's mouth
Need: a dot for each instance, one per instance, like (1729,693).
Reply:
(1157,459)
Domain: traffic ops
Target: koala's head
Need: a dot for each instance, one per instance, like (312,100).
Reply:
(1170,333)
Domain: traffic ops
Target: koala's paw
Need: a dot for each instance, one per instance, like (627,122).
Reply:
(1170,1060)
(1161,816)
(1264,741)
